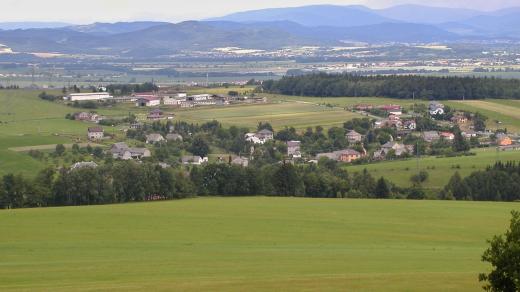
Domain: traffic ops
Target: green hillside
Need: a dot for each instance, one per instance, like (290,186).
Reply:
(250,244)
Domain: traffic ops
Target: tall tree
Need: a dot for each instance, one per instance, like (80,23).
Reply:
(504,256)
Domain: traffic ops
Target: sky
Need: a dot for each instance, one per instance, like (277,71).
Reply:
(88,11)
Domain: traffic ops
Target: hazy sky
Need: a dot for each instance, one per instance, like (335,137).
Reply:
(85,11)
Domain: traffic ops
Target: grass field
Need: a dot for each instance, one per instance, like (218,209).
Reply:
(505,111)
(250,244)
(440,169)
(280,115)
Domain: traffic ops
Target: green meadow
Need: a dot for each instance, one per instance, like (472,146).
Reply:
(250,244)
(440,169)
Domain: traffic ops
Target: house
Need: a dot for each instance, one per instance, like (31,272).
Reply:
(80,165)
(241,161)
(95,133)
(354,137)
(294,149)
(410,125)
(399,148)
(83,116)
(193,160)
(503,140)
(147,100)
(448,136)
(156,114)
(436,108)
(469,134)
(260,137)
(431,136)
(265,135)
(459,119)
(123,152)
(96,96)
(154,138)
(392,109)
(174,137)
(347,155)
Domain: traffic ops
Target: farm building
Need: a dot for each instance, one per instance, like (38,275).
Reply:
(147,100)
(88,96)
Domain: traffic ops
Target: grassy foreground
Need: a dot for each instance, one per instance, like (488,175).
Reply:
(250,244)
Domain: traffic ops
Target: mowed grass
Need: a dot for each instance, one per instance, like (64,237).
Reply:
(348,101)
(250,244)
(440,169)
(280,115)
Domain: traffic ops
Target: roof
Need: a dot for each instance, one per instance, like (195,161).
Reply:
(293,143)
(95,130)
(155,137)
(265,132)
(173,137)
(186,159)
(351,133)
(148,98)
(88,164)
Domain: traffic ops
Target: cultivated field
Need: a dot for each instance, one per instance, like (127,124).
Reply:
(440,169)
(250,244)
(280,115)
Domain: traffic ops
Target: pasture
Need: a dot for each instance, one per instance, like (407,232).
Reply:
(250,244)
(440,169)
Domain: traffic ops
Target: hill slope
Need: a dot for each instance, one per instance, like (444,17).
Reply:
(250,244)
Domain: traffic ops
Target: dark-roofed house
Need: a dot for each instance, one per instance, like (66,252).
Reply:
(123,152)
(174,137)
(95,133)
(154,138)
(265,135)
(431,136)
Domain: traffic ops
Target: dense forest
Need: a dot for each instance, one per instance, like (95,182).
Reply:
(500,182)
(394,86)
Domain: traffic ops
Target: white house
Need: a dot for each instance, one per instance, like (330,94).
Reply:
(95,133)
(294,149)
(200,97)
(88,96)
(436,108)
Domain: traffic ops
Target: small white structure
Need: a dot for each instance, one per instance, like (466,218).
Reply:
(95,133)
(436,108)
(88,96)
(80,165)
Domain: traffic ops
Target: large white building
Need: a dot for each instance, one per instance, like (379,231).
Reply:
(88,96)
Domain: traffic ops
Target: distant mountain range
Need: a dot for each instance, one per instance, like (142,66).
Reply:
(323,25)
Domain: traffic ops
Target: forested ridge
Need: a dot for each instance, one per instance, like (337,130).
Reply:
(395,86)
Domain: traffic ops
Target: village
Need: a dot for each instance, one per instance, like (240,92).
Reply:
(407,133)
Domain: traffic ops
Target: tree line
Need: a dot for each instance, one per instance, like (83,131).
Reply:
(500,182)
(394,86)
